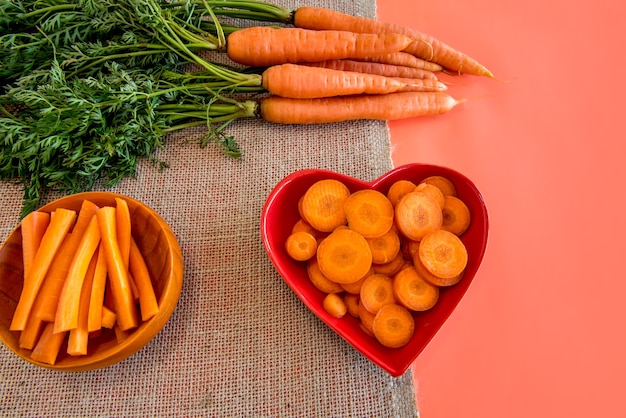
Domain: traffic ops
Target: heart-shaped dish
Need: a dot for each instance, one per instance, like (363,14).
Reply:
(280,212)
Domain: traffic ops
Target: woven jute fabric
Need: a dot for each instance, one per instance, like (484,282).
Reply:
(240,343)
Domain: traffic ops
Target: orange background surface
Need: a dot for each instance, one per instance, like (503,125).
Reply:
(542,330)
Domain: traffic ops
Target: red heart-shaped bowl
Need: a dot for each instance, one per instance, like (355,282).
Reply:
(280,212)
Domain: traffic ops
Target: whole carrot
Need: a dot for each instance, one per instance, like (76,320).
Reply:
(304,82)
(264,46)
(404,59)
(423,45)
(338,109)
(387,70)
(411,84)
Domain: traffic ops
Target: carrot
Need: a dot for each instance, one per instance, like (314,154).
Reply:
(443,254)
(109,318)
(369,213)
(33,226)
(433,191)
(417,214)
(334,305)
(352,304)
(344,256)
(393,326)
(306,82)
(67,313)
(120,334)
(322,204)
(409,248)
(355,287)
(79,335)
(263,46)
(398,189)
(96,298)
(384,248)
(118,275)
(49,345)
(390,268)
(318,279)
(404,59)
(456,215)
(147,299)
(376,292)
(367,319)
(431,278)
(424,46)
(60,223)
(413,292)
(47,300)
(445,185)
(391,106)
(413,85)
(301,246)
(302,225)
(388,70)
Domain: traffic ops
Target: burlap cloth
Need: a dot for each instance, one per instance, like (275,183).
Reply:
(240,342)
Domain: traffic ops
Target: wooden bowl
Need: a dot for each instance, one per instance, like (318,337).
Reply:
(163,257)
(280,212)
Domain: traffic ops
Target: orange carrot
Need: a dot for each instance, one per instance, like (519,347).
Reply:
(69,300)
(352,304)
(33,226)
(264,46)
(322,204)
(109,318)
(404,59)
(376,292)
(78,336)
(443,254)
(355,287)
(30,334)
(390,268)
(393,326)
(306,82)
(387,70)
(421,85)
(301,245)
(118,275)
(96,298)
(384,248)
(456,215)
(344,256)
(49,345)
(60,223)
(398,189)
(424,46)
(48,297)
(147,298)
(318,279)
(445,185)
(334,305)
(369,213)
(367,319)
(431,278)
(413,292)
(433,191)
(122,222)
(391,106)
(417,214)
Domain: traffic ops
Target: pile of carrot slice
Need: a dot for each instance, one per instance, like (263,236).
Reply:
(83,274)
(381,258)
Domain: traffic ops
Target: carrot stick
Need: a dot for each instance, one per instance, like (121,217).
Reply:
(391,106)
(404,59)
(108,318)
(67,313)
(387,70)
(118,275)
(263,46)
(424,46)
(31,333)
(60,223)
(47,300)
(306,82)
(96,298)
(49,345)
(77,341)
(147,299)
(33,226)
(123,224)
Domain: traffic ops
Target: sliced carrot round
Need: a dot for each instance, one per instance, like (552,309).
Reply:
(320,281)
(376,292)
(355,287)
(413,292)
(369,213)
(431,278)
(344,256)
(384,248)
(443,254)
(322,204)
(334,305)
(409,248)
(398,189)
(302,225)
(393,326)
(432,191)
(367,319)
(390,268)
(352,304)
(456,215)
(444,184)
(301,245)
(417,214)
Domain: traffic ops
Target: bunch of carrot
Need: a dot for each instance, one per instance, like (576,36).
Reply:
(381,257)
(83,273)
